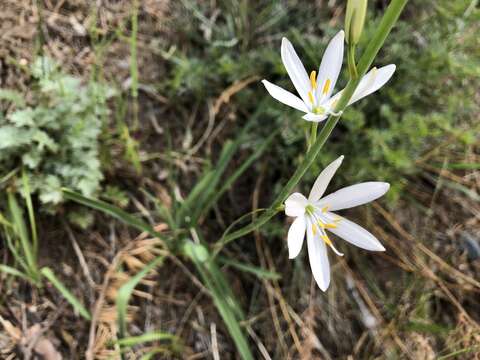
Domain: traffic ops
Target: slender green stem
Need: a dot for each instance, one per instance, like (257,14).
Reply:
(313,135)
(352,67)
(388,21)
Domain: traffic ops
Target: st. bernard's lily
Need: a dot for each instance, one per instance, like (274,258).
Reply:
(314,216)
(315,92)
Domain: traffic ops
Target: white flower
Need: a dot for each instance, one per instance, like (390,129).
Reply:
(316,98)
(314,216)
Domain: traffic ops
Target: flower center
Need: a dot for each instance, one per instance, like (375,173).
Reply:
(312,95)
(320,223)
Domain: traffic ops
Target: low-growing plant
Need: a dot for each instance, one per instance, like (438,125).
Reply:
(53,132)
(19,235)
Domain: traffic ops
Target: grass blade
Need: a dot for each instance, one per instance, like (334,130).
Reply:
(199,197)
(259,272)
(224,301)
(111,210)
(125,292)
(12,271)
(18,258)
(48,273)
(31,215)
(20,230)
(243,167)
(147,337)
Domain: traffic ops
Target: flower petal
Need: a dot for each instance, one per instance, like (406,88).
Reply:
(314,117)
(295,70)
(296,234)
(331,65)
(295,205)
(317,255)
(285,96)
(356,235)
(372,81)
(354,195)
(323,180)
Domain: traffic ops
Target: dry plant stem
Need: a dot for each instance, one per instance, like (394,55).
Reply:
(388,21)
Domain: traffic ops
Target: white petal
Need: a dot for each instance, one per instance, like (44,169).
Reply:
(354,195)
(372,81)
(323,180)
(314,117)
(331,65)
(296,234)
(356,235)
(295,205)
(295,70)
(317,254)
(284,96)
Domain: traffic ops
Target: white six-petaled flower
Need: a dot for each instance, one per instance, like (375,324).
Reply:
(314,217)
(315,92)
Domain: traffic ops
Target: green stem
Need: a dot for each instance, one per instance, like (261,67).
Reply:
(388,21)
(352,67)
(313,135)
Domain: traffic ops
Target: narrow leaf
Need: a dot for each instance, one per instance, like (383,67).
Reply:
(48,273)
(125,292)
(257,271)
(147,337)
(111,210)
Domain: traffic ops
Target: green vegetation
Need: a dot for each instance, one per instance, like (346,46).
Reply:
(54,134)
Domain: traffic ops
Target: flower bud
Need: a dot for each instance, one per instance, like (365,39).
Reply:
(354,19)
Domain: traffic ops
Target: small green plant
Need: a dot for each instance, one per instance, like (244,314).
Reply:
(19,232)
(54,134)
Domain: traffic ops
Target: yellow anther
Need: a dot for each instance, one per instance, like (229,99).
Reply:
(327,240)
(326,87)
(310,97)
(313,79)
(330,226)
(314,229)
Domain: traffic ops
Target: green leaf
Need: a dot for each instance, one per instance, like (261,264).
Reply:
(111,210)
(125,292)
(12,271)
(147,337)
(12,96)
(199,199)
(31,215)
(227,184)
(20,230)
(12,137)
(221,293)
(48,273)
(23,117)
(259,272)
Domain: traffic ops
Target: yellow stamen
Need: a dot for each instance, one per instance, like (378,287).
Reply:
(310,97)
(327,240)
(326,87)
(314,229)
(330,226)
(313,79)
